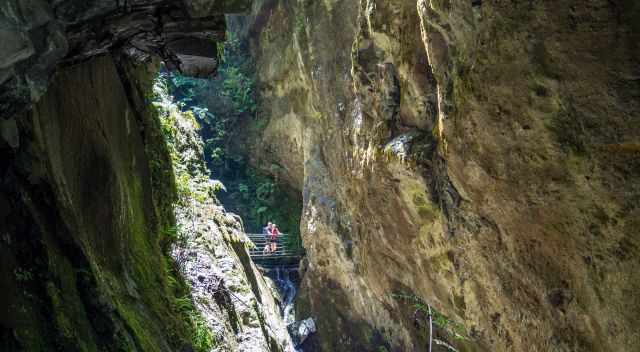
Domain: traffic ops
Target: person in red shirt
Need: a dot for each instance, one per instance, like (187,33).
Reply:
(275,232)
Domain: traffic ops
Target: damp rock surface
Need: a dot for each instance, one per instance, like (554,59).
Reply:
(511,209)
(235,299)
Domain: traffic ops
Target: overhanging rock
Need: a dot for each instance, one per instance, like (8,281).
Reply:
(38,35)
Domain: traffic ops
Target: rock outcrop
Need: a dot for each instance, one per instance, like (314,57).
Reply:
(479,156)
(37,35)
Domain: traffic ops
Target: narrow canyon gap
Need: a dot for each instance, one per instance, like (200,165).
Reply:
(479,160)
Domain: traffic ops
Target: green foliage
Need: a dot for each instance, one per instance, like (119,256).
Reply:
(202,336)
(185,88)
(22,275)
(172,233)
(224,106)
(238,76)
(168,127)
(300,26)
(240,88)
(265,190)
(258,198)
(183,185)
(244,191)
(189,327)
(217,155)
(217,186)
(440,320)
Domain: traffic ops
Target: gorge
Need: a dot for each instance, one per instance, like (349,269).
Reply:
(469,168)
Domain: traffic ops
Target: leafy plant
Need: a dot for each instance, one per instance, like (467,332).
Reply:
(172,233)
(185,88)
(183,185)
(22,275)
(265,190)
(217,186)
(202,336)
(217,156)
(244,191)
(440,320)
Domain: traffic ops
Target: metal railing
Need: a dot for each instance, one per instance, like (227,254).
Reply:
(281,254)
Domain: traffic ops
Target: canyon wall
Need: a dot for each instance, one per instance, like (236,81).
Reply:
(82,263)
(100,244)
(481,157)
(93,257)
(238,303)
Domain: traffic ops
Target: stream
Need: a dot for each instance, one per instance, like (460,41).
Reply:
(287,281)
(288,289)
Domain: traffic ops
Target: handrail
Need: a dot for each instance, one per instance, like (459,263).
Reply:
(260,234)
(282,253)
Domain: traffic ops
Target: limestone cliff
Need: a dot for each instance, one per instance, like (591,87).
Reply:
(481,156)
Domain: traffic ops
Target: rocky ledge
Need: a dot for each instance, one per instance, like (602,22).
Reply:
(37,35)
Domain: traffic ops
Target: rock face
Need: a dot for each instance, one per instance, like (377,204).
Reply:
(37,35)
(88,218)
(235,300)
(82,228)
(480,156)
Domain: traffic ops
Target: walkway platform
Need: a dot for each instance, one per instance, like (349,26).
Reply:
(283,256)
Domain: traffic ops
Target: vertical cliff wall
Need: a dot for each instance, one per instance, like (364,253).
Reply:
(480,156)
(92,255)
(83,264)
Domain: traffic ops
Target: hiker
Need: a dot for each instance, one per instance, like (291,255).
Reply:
(266,232)
(275,232)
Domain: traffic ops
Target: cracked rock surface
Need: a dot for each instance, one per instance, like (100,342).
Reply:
(37,35)
(480,155)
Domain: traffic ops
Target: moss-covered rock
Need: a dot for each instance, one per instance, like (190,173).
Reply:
(233,305)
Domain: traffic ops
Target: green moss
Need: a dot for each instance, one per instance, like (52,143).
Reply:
(66,306)
(441,263)
(448,327)
(164,290)
(423,207)
(65,327)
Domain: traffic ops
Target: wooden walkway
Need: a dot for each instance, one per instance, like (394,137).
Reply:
(282,256)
